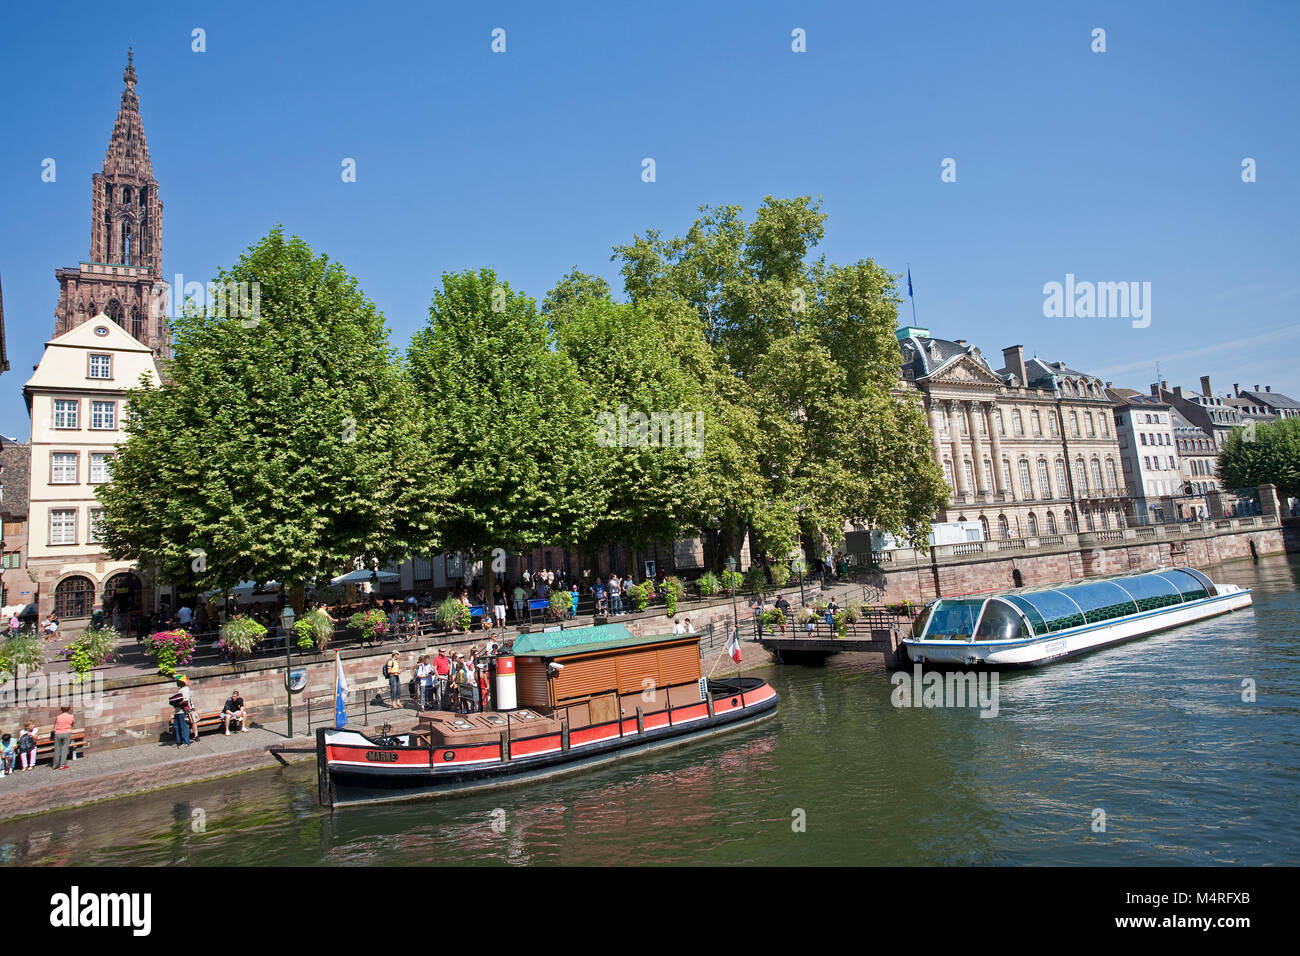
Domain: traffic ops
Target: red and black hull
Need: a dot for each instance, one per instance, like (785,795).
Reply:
(354,768)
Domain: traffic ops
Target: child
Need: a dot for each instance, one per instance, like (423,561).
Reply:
(27,746)
(7,752)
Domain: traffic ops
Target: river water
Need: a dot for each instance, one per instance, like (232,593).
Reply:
(1140,754)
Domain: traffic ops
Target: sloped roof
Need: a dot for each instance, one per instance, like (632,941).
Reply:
(1270,399)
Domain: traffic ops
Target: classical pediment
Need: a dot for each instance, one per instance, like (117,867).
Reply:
(962,370)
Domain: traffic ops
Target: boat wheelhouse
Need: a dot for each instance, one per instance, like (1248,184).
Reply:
(1031,626)
(566,700)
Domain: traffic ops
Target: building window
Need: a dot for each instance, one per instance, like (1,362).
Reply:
(1172,464)
(997,421)
(1080,477)
(94,525)
(1033,525)
(1111,477)
(988,475)
(1016,423)
(1087,516)
(1051,423)
(1067,517)
(1092,431)
(1074,424)
(1006,475)
(1025,486)
(1146,462)
(970,474)
(1096,475)
(1105,520)
(1142,438)
(74,597)
(101,366)
(100,466)
(1004,529)
(947,474)
(103,415)
(1044,485)
(63,468)
(1061,484)
(1051,523)
(1038,425)
(1105,427)
(63,526)
(65,413)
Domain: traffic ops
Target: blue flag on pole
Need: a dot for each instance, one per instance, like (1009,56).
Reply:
(340,693)
(909,282)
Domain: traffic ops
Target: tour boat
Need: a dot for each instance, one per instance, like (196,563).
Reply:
(565,701)
(1031,626)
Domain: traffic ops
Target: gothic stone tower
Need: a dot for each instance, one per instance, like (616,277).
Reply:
(123,277)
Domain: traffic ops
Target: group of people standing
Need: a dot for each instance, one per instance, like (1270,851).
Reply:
(455,682)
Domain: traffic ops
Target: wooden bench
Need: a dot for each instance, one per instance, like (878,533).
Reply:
(207,721)
(45,746)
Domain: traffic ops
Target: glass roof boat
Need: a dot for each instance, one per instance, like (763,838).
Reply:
(1031,626)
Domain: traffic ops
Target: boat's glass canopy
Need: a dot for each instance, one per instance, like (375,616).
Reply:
(1034,612)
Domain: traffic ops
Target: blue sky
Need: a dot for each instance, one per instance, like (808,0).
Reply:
(1115,166)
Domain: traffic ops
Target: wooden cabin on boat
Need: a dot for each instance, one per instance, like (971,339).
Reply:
(583,677)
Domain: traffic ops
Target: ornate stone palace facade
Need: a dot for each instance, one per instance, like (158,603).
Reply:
(1028,450)
(123,276)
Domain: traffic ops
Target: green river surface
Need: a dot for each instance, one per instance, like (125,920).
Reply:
(1154,732)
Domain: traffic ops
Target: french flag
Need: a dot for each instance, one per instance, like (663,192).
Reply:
(733,645)
(340,693)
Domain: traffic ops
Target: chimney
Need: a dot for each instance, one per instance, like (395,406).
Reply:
(1236,392)
(1178,391)
(1013,358)
(1205,386)
(1164,385)
(1155,389)
(1268,388)
(961,342)
(1257,388)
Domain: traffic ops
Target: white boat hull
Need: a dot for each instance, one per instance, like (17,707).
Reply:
(1075,640)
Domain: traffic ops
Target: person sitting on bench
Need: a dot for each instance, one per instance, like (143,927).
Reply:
(234,710)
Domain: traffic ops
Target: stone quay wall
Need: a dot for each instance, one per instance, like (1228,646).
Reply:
(1051,559)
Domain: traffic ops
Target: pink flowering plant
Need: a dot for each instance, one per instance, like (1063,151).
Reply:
(171,649)
(239,635)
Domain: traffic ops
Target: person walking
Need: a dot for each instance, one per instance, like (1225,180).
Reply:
(393,671)
(63,725)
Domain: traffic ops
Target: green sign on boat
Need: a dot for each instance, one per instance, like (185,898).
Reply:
(595,638)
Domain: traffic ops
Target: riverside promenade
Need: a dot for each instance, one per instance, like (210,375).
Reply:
(114,767)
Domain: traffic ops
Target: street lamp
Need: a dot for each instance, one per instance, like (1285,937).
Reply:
(286,623)
(731,579)
(798,565)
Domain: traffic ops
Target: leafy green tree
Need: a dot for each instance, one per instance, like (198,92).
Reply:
(511,416)
(1271,455)
(283,445)
(807,359)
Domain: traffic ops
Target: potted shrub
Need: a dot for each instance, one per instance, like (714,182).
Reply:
(640,595)
(239,636)
(709,584)
(561,604)
(314,630)
(170,649)
(673,591)
(20,651)
(732,581)
(372,624)
(773,620)
(755,579)
(92,648)
(780,575)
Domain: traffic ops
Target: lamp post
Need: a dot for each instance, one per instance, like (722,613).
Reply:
(731,579)
(286,624)
(798,564)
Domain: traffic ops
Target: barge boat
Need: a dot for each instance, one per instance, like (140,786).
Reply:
(565,701)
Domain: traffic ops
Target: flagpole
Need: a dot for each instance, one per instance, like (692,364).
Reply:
(909,292)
